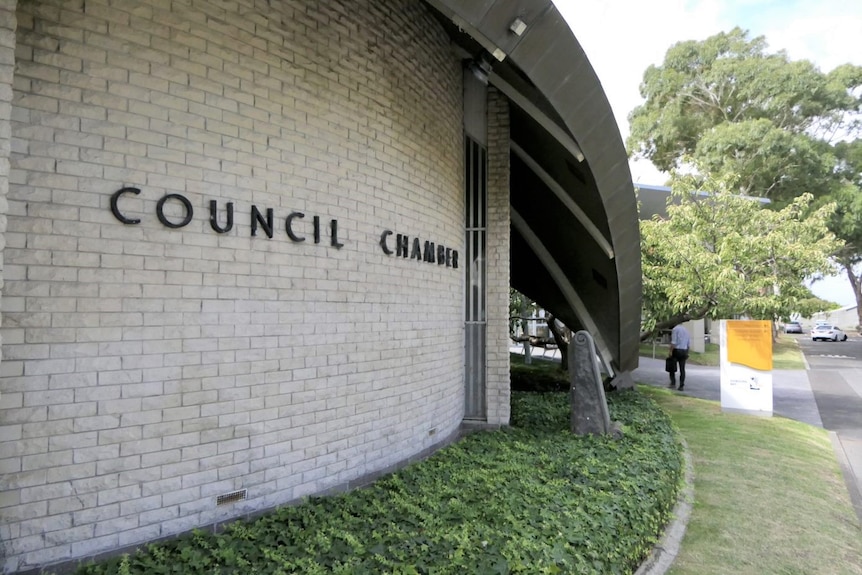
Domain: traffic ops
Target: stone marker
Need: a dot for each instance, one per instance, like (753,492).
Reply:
(589,405)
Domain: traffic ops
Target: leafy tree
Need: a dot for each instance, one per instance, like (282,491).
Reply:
(736,109)
(778,128)
(520,308)
(847,221)
(723,255)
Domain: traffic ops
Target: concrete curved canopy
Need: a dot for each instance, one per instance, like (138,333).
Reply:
(575,241)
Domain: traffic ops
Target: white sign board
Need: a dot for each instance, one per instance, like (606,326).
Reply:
(746,366)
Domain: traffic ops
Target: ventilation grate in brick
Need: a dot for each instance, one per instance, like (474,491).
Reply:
(232,497)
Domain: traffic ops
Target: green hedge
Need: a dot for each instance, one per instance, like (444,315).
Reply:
(532,498)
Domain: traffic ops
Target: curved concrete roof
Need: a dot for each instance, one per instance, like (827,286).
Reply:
(576,240)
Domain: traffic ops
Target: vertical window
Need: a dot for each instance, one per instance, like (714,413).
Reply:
(476,181)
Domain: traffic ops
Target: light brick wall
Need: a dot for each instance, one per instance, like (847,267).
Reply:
(7,66)
(147,369)
(8,25)
(498,380)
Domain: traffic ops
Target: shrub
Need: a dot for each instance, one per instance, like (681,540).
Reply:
(531,498)
(541,375)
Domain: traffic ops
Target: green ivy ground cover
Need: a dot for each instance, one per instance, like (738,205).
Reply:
(532,498)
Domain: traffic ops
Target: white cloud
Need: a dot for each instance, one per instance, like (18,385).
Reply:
(622,39)
(828,41)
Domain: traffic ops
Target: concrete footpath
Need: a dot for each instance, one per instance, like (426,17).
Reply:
(793,397)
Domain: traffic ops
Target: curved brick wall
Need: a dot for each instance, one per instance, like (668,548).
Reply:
(148,369)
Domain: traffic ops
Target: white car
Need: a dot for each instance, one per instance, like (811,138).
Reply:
(825,332)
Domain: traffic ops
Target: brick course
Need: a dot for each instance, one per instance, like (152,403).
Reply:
(148,369)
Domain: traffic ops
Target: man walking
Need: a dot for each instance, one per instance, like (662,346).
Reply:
(679,344)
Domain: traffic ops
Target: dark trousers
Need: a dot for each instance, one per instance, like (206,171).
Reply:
(681,355)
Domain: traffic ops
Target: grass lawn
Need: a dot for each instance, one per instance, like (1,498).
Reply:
(785,353)
(769,496)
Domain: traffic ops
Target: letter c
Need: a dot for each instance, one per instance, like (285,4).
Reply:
(383,236)
(115,197)
(288,226)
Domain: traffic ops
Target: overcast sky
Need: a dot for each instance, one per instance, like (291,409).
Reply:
(623,37)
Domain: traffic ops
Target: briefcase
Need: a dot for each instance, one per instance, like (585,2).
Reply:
(670,364)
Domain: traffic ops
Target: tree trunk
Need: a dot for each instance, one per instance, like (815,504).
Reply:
(856,282)
(562,341)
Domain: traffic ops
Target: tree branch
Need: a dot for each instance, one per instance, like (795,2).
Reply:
(678,319)
(534,340)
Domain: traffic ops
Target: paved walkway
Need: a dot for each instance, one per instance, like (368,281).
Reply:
(792,396)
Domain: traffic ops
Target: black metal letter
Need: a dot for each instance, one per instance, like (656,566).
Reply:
(383,236)
(317,229)
(455,259)
(429,252)
(402,245)
(416,254)
(214,217)
(288,226)
(257,218)
(116,210)
(160,212)
(441,255)
(333,237)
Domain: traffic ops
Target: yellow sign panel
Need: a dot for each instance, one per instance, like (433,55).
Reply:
(749,343)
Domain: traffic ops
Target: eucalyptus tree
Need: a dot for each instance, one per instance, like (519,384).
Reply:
(727,107)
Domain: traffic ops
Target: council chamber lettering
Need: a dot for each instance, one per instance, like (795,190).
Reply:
(259,220)
(296,227)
